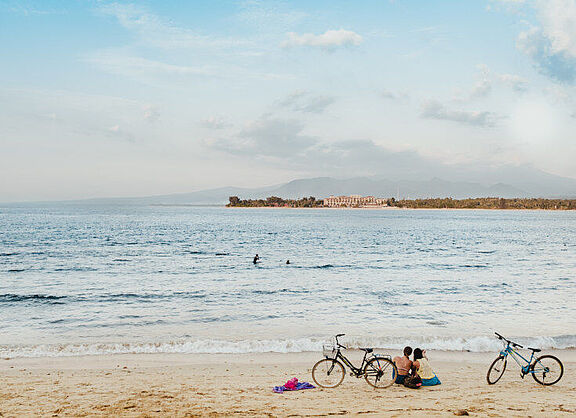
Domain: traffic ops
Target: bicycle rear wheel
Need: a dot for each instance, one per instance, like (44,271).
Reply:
(328,373)
(496,370)
(547,370)
(380,373)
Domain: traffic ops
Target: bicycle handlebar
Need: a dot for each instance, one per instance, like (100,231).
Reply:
(512,343)
(337,342)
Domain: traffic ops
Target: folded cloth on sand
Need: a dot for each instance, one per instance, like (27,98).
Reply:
(293,384)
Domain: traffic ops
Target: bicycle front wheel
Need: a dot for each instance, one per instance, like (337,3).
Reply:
(328,373)
(547,370)
(380,373)
(496,370)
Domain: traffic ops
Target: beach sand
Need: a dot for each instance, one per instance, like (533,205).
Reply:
(241,385)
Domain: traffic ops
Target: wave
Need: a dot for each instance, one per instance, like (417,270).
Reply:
(472,344)
(12,297)
(107,297)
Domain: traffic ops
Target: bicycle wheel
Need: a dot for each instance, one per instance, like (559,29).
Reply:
(380,373)
(496,370)
(328,373)
(547,370)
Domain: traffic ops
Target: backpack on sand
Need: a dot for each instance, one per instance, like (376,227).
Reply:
(413,382)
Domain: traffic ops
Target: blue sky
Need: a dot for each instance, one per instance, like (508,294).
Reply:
(112,98)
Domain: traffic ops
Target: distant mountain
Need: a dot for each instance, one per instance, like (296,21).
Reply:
(507,182)
(326,186)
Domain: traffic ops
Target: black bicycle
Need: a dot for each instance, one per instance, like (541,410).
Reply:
(378,370)
(546,370)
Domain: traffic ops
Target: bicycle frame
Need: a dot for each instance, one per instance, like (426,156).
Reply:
(518,358)
(358,371)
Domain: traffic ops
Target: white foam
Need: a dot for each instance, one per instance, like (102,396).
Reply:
(473,344)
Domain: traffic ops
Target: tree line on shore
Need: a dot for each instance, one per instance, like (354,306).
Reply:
(487,203)
(275,201)
(437,203)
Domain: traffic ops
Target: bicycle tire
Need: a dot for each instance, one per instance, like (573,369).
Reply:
(380,372)
(540,376)
(498,366)
(325,369)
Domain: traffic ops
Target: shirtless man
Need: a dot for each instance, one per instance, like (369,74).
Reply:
(404,365)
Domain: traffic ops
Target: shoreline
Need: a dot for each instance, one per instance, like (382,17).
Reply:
(241,385)
(392,208)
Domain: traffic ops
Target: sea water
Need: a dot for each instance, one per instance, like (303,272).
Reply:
(102,279)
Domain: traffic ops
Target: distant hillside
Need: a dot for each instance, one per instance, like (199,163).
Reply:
(326,186)
(506,182)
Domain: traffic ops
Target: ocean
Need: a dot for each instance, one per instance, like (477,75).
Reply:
(80,280)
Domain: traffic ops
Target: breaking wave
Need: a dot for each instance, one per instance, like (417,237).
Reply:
(208,346)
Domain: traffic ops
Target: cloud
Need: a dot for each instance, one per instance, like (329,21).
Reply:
(395,96)
(145,70)
(552,46)
(269,16)
(156,31)
(306,102)
(328,40)
(117,63)
(558,65)
(284,144)
(433,109)
(214,122)
(516,82)
(151,114)
(487,80)
(481,89)
(268,137)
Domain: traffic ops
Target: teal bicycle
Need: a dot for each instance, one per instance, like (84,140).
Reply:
(546,369)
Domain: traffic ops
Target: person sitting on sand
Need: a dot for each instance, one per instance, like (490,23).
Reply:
(403,364)
(423,369)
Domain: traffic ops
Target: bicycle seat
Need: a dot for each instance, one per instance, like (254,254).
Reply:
(368,350)
(536,350)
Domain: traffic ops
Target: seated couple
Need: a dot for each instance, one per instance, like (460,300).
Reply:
(416,370)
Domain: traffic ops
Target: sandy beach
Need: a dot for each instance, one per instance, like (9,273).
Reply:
(241,385)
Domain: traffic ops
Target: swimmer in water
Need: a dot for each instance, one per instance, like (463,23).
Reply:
(287,261)
(256,259)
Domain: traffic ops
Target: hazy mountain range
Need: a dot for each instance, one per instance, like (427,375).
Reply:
(520,181)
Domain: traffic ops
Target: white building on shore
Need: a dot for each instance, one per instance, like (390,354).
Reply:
(354,201)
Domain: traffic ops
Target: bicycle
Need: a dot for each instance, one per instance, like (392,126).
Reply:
(545,370)
(379,371)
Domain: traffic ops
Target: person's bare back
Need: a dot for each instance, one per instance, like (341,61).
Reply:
(404,364)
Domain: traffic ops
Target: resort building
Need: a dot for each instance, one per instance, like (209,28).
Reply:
(354,201)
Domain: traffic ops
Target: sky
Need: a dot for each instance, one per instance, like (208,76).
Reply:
(114,98)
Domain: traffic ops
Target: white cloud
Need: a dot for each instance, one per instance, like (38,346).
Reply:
(487,80)
(215,122)
(553,45)
(156,31)
(118,63)
(151,114)
(395,96)
(516,82)
(269,137)
(328,40)
(306,102)
(269,16)
(433,109)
